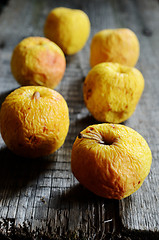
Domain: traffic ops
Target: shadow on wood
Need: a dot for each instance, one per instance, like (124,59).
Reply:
(77,208)
(4,95)
(79,194)
(17,172)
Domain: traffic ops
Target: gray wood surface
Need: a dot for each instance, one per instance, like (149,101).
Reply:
(44,191)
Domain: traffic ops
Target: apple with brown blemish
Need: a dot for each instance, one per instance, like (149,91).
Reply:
(111,160)
(38,61)
(34,121)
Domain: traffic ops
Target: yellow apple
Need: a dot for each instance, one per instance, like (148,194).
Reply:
(115,45)
(68,28)
(111,160)
(38,61)
(34,121)
(111,91)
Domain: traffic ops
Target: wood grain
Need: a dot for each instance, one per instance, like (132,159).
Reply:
(140,211)
(44,192)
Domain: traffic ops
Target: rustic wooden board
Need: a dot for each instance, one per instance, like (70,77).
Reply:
(141,210)
(44,191)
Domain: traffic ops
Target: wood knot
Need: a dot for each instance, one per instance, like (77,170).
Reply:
(147,32)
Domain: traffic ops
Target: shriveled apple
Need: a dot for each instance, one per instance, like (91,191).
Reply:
(111,160)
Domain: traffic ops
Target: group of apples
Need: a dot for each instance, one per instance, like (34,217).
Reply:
(109,159)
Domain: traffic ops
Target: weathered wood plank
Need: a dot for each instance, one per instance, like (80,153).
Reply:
(140,211)
(44,191)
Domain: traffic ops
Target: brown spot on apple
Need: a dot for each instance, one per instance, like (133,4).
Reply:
(89,93)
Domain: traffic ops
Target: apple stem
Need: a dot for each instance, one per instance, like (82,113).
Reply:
(36,95)
(81,135)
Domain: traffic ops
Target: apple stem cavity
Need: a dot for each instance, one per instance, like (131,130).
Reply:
(81,135)
(36,95)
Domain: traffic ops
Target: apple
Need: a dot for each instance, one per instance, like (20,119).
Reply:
(115,45)
(111,160)
(34,121)
(111,91)
(68,28)
(38,61)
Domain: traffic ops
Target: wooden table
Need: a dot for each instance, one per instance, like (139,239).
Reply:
(44,192)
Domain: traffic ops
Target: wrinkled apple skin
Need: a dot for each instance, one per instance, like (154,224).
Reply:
(38,61)
(115,45)
(34,121)
(111,91)
(111,160)
(68,28)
